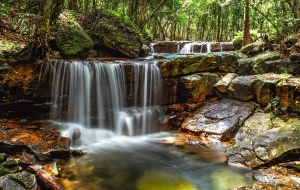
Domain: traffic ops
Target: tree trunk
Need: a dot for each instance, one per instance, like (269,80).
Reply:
(246,27)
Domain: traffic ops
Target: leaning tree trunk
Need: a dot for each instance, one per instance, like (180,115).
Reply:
(246,28)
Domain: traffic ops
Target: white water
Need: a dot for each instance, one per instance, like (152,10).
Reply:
(92,96)
(195,47)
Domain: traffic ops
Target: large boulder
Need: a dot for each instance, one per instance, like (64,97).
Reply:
(253,48)
(265,86)
(194,88)
(111,32)
(71,39)
(18,181)
(219,119)
(254,125)
(241,88)
(189,64)
(288,91)
(260,62)
(281,143)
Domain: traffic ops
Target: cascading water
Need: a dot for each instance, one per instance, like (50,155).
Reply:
(196,47)
(93,95)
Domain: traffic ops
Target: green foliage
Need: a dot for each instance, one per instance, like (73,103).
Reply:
(3,8)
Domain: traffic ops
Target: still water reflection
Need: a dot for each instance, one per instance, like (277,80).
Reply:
(157,161)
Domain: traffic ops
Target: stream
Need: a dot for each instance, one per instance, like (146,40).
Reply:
(164,160)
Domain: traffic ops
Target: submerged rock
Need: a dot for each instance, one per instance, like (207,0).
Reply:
(219,119)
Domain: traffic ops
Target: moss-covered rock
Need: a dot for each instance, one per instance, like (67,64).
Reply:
(254,48)
(278,144)
(260,65)
(71,39)
(112,32)
(265,85)
(189,64)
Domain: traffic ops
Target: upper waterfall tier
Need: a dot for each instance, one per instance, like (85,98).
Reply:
(97,94)
(187,47)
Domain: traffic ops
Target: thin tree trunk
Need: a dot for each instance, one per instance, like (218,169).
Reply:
(246,27)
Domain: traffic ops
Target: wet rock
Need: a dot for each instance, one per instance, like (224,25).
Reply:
(228,62)
(26,159)
(241,88)
(265,85)
(170,91)
(295,58)
(112,33)
(18,181)
(222,85)
(189,64)
(71,38)
(278,144)
(279,177)
(288,92)
(245,66)
(174,121)
(8,167)
(256,187)
(3,157)
(260,65)
(194,88)
(44,143)
(254,48)
(282,66)
(254,125)
(168,46)
(219,119)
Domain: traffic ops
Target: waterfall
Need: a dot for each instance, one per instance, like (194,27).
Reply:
(123,98)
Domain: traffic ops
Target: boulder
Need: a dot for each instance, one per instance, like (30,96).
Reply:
(260,65)
(288,91)
(222,85)
(20,181)
(265,85)
(194,88)
(189,64)
(111,32)
(227,62)
(8,167)
(279,177)
(254,125)
(45,144)
(281,143)
(245,66)
(219,119)
(241,88)
(71,39)
(282,66)
(253,48)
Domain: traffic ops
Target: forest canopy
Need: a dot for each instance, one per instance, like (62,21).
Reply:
(197,20)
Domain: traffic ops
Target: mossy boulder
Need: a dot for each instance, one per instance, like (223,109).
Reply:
(195,88)
(111,32)
(260,65)
(281,143)
(71,39)
(265,85)
(189,64)
(253,48)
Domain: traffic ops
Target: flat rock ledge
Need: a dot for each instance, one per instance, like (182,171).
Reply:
(43,143)
(220,119)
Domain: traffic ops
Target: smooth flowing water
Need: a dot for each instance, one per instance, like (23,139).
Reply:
(112,112)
